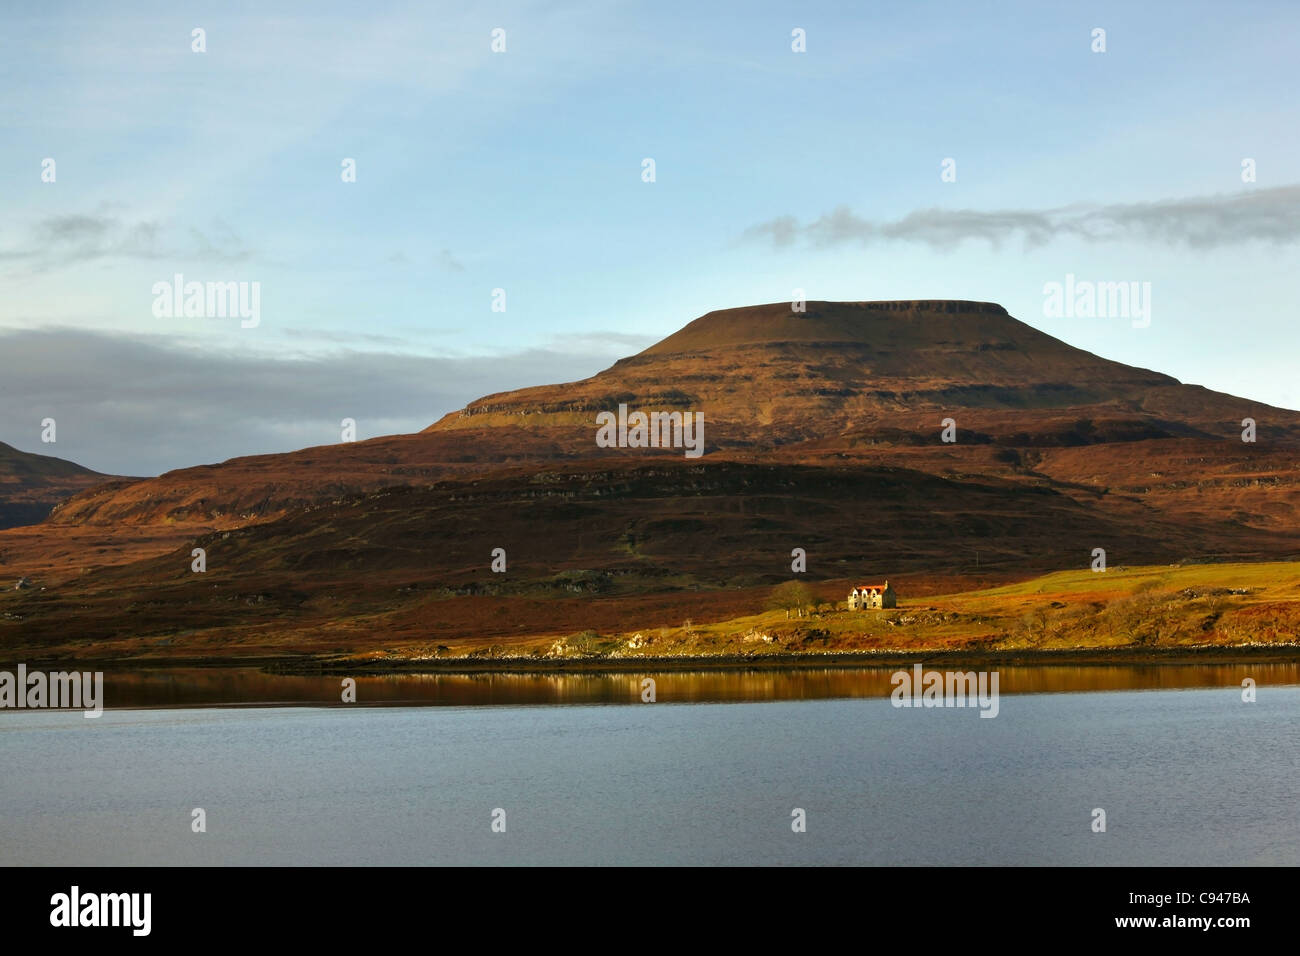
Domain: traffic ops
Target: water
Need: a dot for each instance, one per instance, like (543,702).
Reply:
(187,687)
(1190,776)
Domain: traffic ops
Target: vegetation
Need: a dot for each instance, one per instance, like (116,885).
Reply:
(791,596)
(1127,608)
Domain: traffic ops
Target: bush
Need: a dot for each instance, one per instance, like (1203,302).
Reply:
(790,596)
(585,643)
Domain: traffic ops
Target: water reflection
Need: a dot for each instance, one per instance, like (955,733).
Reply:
(250,686)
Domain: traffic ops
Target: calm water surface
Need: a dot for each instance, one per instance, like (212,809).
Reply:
(218,686)
(1186,776)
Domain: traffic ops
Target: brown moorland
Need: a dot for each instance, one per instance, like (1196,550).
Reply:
(31,485)
(822,432)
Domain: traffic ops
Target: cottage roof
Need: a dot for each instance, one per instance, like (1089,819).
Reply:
(871,587)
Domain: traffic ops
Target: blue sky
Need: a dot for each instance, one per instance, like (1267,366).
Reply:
(522,170)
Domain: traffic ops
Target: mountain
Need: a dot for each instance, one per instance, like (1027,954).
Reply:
(842,372)
(31,485)
(867,380)
(823,431)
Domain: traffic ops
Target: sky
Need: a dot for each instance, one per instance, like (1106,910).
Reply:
(920,150)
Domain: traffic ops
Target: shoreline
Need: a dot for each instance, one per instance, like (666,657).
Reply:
(311,665)
(843,661)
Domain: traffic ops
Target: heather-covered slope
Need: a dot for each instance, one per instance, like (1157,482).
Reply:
(822,432)
(870,381)
(606,549)
(31,485)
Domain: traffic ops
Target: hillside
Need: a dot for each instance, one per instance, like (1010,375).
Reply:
(1152,608)
(31,485)
(867,381)
(822,433)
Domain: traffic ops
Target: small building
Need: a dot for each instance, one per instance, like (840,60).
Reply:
(867,597)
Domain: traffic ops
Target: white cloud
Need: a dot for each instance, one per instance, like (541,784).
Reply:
(1268,215)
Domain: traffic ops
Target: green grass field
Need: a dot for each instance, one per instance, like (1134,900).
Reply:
(1145,607)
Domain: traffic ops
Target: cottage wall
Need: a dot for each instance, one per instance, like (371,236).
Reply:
(872,598)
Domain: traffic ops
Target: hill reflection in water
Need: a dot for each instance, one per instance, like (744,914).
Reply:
(196,687)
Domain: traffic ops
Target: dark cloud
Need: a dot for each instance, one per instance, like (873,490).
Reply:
(72,228)
(59,241)
(1266,215)
(141,405)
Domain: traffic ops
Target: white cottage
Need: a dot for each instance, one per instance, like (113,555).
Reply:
(866,597)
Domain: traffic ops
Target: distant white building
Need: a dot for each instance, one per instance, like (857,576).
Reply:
(867,597)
